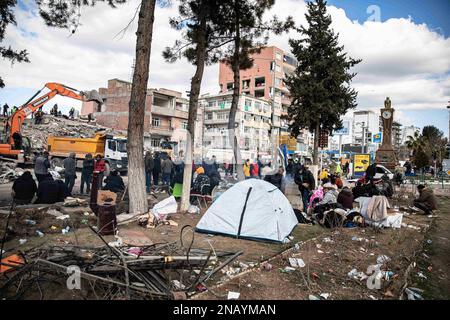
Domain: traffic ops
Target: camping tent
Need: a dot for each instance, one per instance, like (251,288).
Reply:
(252,209)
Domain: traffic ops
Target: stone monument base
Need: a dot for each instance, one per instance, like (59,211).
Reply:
(386,157)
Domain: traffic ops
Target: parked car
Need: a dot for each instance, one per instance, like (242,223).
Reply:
(381,171)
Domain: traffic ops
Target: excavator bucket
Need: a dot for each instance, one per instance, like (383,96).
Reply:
(93,95)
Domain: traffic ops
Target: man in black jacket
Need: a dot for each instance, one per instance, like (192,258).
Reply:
(276,179)
(306,184)
(149,165)
(156,169)
(86,173)
(114,182)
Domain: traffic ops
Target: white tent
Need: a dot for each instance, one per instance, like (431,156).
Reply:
(252,209)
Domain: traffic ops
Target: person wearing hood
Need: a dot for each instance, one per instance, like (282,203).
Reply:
(51,191)
(345,198)
(70,166)
(86,173)
(276,179)
(114,182)
(426,200)
(202,183)
(24,188)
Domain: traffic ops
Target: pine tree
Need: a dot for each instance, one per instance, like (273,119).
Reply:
(320,86)
(243,22)
(200,45)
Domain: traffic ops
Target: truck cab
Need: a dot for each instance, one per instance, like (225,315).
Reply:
(116,152)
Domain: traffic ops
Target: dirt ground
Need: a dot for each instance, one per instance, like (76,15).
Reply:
(329,255)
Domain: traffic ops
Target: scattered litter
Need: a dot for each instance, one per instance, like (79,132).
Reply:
(39,233)
(383,259)
(117,243)
(54,212)
(178,285)
(372,297)
(267,266)
(313,297)
(325,295)
(297,263)
(233,295)
(319,251)
(421,275)
(354,274)
(429,241)
(65,230)
(354,238)
(193,209)
(327,240)
(412,294)
(53,228)
(63,217)
(22,241)
(30,222)
(286,270)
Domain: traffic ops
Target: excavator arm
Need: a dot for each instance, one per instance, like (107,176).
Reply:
(16,119)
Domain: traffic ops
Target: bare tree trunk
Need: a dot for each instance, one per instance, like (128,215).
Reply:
(135,147)
(234,141)
(196,82)
(316,145)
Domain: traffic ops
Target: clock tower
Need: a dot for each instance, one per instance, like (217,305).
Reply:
(386,154)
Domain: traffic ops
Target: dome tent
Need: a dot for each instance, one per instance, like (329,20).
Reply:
(252,209)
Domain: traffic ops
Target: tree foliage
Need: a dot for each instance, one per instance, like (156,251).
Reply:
(320,86)
(7,18)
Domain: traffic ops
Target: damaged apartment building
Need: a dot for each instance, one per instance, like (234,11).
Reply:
(166,114)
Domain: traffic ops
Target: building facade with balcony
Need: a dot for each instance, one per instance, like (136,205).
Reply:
(166,113)
(253,122)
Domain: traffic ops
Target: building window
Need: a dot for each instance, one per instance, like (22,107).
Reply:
(184,125)
(222,116)
(156,122)
(209,116)
(278,55)
(155,142)
(248,105)
(212,104)
(278,81)
(230,86)
(278,68)
(266,107)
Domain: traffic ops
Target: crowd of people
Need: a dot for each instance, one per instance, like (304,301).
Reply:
(50,189)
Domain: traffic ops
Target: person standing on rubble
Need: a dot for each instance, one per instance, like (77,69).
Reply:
(166,168)
(71,113)
(24,189)
(5,110)
(70,167)
(86,173)
(100,168)
(156,169)
(41,166)
(149,165)
(14,109)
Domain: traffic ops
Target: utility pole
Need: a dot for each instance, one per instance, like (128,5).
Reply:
(448,107)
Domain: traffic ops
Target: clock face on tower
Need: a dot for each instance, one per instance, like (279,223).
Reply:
(387,114)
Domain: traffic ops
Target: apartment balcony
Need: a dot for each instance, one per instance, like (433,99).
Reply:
(169,112)
(161,130)
(216,121)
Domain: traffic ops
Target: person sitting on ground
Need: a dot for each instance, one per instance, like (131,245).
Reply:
(276,179)
(345,198)
(336,180)
(427,200)
(330,194)
(24,189)
(114,182)
(324,174)
(51,191)
(201,183)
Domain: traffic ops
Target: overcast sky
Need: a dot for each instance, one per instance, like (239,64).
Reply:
(405,52)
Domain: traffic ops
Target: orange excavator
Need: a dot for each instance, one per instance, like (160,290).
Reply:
(13,146)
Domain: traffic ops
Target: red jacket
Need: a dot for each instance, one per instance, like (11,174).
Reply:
(100,165)
(255,170)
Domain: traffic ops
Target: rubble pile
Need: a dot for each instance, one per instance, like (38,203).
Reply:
(56,126)
(9,172)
